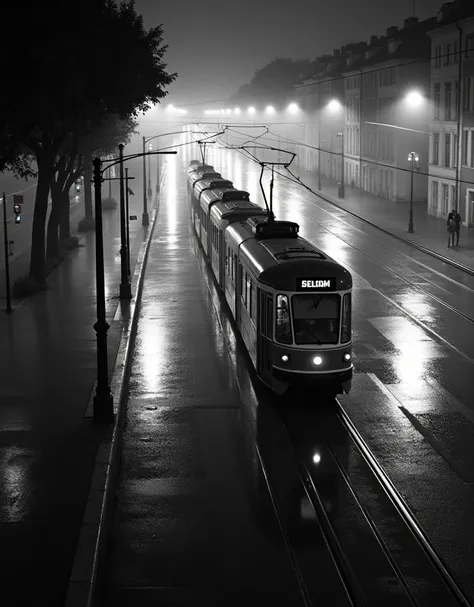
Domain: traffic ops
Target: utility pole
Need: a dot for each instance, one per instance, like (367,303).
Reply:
(7,255)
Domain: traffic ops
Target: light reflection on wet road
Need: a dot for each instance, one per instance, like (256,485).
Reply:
(396,358)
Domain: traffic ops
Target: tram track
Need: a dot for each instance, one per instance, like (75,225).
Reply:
(402,278)
(418,576)
(409,571)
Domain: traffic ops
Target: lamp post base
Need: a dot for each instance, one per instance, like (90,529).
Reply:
(145,219)
(103,408)
(410,229)
(125,291)
(157,187)
(341,191)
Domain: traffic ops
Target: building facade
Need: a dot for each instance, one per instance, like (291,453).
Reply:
(452,123)
(383,123)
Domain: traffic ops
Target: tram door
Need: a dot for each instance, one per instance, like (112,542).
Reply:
(265,335)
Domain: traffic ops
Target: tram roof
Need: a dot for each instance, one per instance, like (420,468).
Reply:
(240,209)
(279,262)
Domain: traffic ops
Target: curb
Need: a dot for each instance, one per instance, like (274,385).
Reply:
(90,546)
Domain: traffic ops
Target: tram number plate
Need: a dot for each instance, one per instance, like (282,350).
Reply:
(315,284)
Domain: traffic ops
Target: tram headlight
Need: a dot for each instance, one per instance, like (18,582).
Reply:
(285,358)
(317,360)
(347,357)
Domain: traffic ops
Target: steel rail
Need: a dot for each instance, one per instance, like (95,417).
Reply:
(403,509)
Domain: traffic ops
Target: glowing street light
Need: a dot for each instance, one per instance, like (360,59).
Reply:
(251,110)
(334,105)
(414,99)
(293,108)
(237,110)
(270,109)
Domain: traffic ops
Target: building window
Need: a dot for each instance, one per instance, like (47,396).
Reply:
(467,94)
(455,150)
(455,53)
(448,94)
(472,149)
(447,149)
(438,53)
(434,195)
(435,148)
(448,54)
(465,141)
(445,208)
(437,99)
(470,45)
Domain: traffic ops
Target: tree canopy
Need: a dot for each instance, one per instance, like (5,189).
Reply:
(65,75)
(273,84)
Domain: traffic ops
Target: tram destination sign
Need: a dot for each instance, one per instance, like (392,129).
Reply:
(315,284)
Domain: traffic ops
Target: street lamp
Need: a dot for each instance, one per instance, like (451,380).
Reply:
(125,286)
(414,99)
(333,107)
(150,147)
(413,159)
(341,191)
(145,219)
(103,400)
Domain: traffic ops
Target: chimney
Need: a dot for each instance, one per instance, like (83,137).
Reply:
(410,21)
(373,40)
(392,31)
(337,52)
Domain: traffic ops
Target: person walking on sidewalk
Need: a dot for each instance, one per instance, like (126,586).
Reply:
(451,232)
(456,217)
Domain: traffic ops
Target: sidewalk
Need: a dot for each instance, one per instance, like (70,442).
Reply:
(429,231)
(47,444)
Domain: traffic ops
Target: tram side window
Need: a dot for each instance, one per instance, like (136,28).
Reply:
(269,329)
(248,293)
(241,283)
(234,267)
(253,305)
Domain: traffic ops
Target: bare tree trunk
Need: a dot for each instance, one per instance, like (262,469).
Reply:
(52,234)
(45,174)
(88,185)
(65,219)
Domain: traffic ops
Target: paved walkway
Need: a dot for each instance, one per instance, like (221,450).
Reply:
(47,444)
(429,231)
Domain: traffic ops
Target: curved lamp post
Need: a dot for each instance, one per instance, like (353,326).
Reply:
(103,399)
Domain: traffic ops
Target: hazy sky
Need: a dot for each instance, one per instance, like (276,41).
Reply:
(217,45)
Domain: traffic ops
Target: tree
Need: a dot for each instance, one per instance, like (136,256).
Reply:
(274,84)
(84,53)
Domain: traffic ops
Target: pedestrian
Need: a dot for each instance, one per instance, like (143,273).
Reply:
(451,232)
(456,217)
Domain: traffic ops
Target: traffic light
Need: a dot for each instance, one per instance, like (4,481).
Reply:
(17,212)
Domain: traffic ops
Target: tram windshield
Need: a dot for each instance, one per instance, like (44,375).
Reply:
(316,318)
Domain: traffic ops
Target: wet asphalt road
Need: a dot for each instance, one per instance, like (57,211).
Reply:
(194,520)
